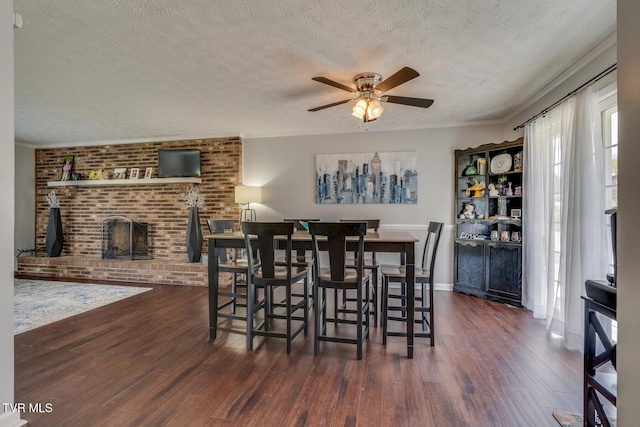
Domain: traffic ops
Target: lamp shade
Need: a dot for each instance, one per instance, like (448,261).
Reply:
(375,109)
(359,109)
(248,194)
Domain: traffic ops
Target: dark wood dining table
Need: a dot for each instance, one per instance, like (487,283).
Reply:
(383,241)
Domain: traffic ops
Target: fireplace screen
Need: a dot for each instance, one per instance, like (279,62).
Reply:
(123,238)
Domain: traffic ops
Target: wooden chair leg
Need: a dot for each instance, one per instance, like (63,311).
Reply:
(432,329)
(359,323)
(250,306)
(384,308)
(317,319)
(289,314)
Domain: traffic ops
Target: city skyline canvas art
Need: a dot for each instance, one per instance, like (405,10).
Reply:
(374,177)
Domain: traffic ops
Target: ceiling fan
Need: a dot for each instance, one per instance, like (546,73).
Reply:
(369,89)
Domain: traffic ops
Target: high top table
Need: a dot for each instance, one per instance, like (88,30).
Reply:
(384,241)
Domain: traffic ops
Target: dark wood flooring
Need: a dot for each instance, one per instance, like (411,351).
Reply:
(148,361)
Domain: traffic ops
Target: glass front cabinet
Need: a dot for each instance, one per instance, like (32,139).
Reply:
(488,224)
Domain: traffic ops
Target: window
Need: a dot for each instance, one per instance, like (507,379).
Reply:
(609,110)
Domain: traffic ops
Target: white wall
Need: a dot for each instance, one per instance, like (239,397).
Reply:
(25,201)
(628,208)
(596,62)
(7,196)
(285,168)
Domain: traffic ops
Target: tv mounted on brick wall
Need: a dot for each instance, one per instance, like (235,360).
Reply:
(178,162)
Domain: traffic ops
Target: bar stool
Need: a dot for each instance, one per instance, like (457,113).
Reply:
(369,264)
(336,275)
(424,302)
(260,238)
(230,263)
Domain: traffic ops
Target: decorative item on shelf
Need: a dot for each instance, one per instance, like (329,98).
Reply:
(502,180)
(517,191)
(134,173)
(119,173)
(517,162)
(481,165)
(76,176)
(67,164)
(476,187)
(502,207)
(504,236)
(508,191)
(495,235)
(470,170)
(464,235)
(193,200)
(468,211)
(95,174)
(515,236)
(248,194)
(148,173)
(54,240)
(501,163)
(492,190)
(516,213)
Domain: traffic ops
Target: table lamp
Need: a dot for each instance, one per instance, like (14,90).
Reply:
(248,194)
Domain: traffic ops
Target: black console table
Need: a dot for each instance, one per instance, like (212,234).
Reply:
(601,299)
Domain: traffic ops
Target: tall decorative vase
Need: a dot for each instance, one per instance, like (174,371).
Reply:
(194,235)
(55,239)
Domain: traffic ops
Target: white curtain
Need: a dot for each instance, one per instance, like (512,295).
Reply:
(564,203)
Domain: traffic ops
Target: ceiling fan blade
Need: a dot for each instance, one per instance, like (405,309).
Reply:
(334,84)
(414,102)
(402,76)
(322,107)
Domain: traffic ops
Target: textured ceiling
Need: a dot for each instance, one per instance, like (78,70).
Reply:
(133,70)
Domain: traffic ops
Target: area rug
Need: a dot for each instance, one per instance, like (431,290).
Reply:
(40,302)
(569,419)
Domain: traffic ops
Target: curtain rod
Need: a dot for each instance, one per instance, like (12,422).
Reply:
(570,94)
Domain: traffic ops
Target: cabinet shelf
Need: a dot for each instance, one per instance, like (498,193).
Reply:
(461,239)
(105,182)
(489,221)
(505,173)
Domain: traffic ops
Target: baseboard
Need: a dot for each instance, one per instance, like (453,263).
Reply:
(436,286)
(11,419)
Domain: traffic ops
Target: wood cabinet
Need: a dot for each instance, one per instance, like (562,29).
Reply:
(488,224)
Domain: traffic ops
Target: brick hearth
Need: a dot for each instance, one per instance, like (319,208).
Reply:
(160,271)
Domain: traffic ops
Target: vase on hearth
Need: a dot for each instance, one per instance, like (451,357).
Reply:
(194,235)
(54,239)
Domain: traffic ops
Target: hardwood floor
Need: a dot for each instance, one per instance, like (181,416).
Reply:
(148,361)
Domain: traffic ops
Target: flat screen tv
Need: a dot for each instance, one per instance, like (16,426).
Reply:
(179,162)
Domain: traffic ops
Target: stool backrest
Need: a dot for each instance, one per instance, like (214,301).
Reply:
(431,247)
(218,226)
(261,236)
(336,234)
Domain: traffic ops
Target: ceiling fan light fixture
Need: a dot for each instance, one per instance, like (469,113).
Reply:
(374,109)
(370,91)
(360,108)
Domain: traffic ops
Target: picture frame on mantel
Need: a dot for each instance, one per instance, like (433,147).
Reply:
(134,173)
(148,173)
(119,173)
(67,164)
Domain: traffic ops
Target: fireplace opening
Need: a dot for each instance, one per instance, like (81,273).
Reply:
(123,238)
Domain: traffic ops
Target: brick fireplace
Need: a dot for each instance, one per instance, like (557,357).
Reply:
(84,208)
